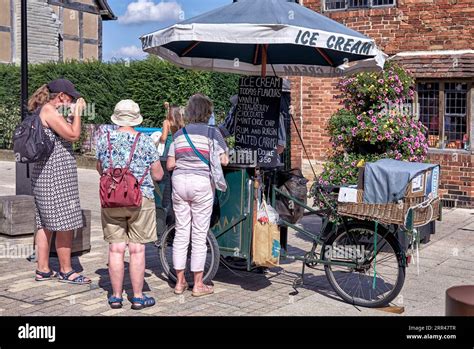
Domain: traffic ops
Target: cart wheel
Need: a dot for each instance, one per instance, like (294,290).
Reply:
(165,251)
(357,285)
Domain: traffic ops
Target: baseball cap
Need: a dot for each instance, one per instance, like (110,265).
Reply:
(65,86)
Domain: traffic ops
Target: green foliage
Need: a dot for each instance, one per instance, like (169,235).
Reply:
(149,82)
(375,122)
(9,119)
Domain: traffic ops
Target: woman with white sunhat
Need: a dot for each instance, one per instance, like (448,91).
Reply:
(123,149)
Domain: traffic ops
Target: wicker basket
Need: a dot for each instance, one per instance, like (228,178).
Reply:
(394,213)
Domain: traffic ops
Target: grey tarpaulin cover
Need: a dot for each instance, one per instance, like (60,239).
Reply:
(386,180)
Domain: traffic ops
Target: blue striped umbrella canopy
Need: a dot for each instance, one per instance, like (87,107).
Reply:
(274,37)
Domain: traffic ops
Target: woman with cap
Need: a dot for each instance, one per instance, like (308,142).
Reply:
(129,226)
(54,180)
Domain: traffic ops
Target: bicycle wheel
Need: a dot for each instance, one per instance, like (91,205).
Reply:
(358,285)
(165,251)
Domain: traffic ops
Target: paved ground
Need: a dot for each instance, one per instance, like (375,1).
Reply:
(446,261)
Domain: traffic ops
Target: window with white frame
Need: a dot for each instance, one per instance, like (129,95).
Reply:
(331,5)
(444,109)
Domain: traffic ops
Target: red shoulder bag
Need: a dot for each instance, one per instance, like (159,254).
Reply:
(118,186)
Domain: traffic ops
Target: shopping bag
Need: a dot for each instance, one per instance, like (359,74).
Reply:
(266,238)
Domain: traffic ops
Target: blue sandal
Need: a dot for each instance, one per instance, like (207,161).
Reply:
(142,303)
(115,302)
(40,276)
(80,280)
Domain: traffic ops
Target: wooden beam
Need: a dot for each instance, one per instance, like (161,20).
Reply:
(100,43)
(189,48)
(76,6)
(12,31)
(325,56)
(392,309)
(61,33)
(78,39)
(81,36)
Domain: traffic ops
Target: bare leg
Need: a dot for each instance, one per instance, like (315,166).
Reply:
(198,283)
(181,279)
(137,268)
(63,248)
(43,242)
(116,267)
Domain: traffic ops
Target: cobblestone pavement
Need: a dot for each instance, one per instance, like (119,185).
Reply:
(446,261)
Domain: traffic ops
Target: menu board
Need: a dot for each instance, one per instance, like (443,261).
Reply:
(258,117)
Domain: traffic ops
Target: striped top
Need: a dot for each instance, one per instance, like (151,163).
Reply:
(186,159)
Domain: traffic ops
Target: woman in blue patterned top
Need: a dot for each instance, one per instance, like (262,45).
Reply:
(130,226)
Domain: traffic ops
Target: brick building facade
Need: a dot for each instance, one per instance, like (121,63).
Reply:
(58,30)
(433,40)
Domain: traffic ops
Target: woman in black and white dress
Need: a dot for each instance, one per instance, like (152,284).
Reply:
(54,181)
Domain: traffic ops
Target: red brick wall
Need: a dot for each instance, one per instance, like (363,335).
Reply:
(414,25)
(457,173)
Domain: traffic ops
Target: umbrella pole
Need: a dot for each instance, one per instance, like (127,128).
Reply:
(264,60)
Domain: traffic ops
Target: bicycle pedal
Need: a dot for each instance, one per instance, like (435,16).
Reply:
(298,282)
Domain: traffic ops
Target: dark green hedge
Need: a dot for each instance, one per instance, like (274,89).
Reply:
(150,83)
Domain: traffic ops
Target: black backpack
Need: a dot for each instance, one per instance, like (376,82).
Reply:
(30,142)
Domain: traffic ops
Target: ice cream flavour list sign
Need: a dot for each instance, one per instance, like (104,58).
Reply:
(257,118)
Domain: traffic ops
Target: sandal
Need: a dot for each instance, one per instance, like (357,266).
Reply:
(180,289)
(40,276)
(142,303)
(203,291)
(115,302)
(80,280)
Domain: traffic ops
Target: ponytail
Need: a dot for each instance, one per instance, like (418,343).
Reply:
(40,98)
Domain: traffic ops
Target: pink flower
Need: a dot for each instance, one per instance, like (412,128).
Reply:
(340,137)
(375,129)
(381,81)
(379,137)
